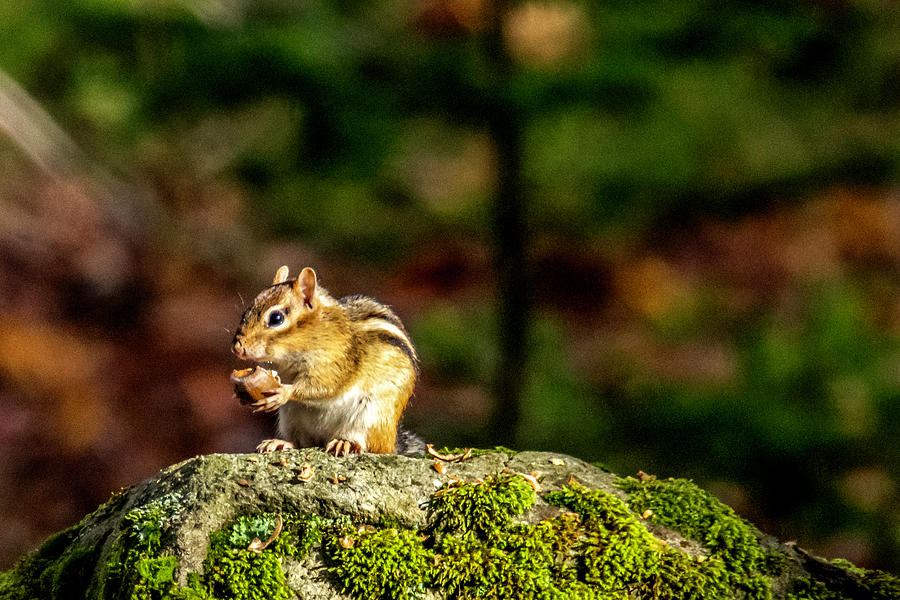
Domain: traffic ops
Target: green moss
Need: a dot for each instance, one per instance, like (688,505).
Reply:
(848,566)
(380,563)
(601,465)
(232,571)
(474,549)
(310,531)
(482,508)
(617,550)
(619,553)
(247,528)
(471,548)
(134,570)
(807,589)
(64,564)
(502,449)
(61,568)
(523,563)
(867,585)
(693,512)
(68,576)
(679,576)
(152,578)
(881,585)
(509,452)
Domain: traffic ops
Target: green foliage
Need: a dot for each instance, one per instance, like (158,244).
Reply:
(560,411)
(689,109)
(811,400)
(461,340)
(807,589)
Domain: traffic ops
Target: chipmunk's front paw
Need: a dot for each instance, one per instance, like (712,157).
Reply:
(259,388)
(342,447)
(267,446)
(271,402)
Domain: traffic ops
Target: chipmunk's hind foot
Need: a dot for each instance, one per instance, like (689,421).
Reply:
(342,447)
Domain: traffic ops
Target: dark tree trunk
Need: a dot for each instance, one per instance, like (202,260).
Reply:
(510,233)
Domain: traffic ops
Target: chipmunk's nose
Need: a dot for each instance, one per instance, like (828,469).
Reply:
(238,348)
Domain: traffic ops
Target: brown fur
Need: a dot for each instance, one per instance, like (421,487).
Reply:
(348,365)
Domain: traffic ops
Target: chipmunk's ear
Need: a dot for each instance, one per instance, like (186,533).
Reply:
(281,275)
(305,286)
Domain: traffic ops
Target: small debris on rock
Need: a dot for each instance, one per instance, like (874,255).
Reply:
(258,545)
(644,477)
(466,455)
(531,478)
(306,472)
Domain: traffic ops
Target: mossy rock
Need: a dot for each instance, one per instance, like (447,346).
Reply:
(303,524)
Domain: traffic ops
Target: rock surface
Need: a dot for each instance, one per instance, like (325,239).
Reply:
(474,529)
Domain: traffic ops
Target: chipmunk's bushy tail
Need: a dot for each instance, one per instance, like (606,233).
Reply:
(409,444)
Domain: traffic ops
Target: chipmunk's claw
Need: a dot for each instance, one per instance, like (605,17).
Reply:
(342,447)
(274,445)
(269,403)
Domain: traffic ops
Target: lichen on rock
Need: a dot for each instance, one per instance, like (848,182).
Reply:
(374,526)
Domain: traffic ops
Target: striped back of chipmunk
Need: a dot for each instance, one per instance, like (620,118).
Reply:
(378,321)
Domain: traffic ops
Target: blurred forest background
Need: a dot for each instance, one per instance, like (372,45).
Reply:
(659,235)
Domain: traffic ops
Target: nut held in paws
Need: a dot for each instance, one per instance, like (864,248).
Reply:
(254,384)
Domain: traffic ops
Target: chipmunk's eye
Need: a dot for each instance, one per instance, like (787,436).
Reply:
(276,318)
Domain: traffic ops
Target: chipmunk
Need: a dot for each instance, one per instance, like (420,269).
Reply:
(346,368)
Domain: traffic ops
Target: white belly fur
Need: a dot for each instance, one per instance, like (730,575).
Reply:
(316,422)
